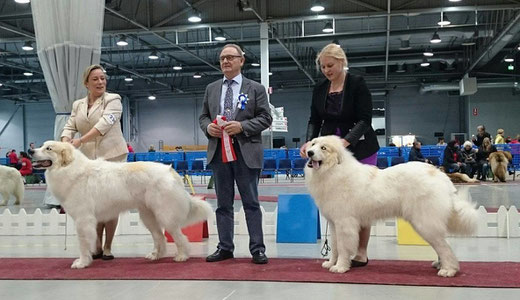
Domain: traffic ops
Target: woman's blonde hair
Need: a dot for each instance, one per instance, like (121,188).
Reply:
(486,144)
(500,131)
(89,70)
(334,51)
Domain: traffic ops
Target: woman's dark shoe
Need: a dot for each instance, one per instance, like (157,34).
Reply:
(107,255)
(357,263)
(97,255)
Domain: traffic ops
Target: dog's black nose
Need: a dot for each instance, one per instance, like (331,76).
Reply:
(310,153)
(31,151)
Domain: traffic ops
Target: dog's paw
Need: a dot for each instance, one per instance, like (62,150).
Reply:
(436,264)
(181,257)
(79,264)
(447,272)
(327,264)
(153,256)
(339,269)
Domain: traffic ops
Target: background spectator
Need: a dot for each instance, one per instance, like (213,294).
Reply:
(129,147)
(415,153)
(26,168)
(453,158)
(499,139)
(481,134)
(441,142)
(469,157)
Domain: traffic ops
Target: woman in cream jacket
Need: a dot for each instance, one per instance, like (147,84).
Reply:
(96,118)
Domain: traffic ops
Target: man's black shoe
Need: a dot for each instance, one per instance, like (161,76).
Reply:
(219,255)
(260,258)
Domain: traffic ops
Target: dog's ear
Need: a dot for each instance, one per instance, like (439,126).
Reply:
(338,150)
(508,155)
(66,156)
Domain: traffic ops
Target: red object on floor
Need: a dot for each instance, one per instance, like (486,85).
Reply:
(194,233)
(393,272)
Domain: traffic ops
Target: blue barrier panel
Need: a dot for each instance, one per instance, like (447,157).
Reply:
(298,219)
(3,161)
(293,153)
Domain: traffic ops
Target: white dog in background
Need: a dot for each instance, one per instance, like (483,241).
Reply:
(350,195)
(93,191)
(11,183)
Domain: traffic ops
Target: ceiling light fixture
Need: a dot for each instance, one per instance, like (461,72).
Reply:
(455,0)
(468,42)
(511,67)
(152,97)
(328,28)
(444,20)
(177,68)
(129,79)
(219,35)
(27,46)
(270,73)
(400,68)
(153,55)
(428,52)
(435,38)
(425,62)
(22,1)
(122,41)
(28,73)
(255,64)
(197,75)
(194,16)
(509,59)
(317,7)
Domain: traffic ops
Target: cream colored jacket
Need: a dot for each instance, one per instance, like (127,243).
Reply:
(104,115)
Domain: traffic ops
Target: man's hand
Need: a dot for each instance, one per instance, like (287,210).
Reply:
(303,149)
(214,130)
(233,128)
(345,143)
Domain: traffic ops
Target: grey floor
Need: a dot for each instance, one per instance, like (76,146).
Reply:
(467,249)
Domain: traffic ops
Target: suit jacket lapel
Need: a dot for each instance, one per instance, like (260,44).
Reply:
(215,100)
(244,89)
(97,104)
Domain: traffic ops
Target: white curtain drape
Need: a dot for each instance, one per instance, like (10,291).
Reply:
(68,39)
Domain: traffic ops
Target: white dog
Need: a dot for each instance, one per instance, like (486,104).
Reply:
(351,195)
(11,183)
(93,191)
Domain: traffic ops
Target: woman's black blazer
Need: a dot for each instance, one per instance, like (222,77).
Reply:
(354,119)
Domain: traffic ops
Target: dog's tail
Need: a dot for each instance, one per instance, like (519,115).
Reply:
(200,210)
(464,216)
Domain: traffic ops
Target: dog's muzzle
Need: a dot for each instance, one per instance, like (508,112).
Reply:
(42,164)
(314,164)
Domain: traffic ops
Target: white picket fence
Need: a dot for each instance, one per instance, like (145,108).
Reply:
(503,223)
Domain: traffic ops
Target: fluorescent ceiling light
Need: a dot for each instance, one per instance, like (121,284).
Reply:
(129,79)
(255,64)
(28,73)
(177,68)
(197,75)
(122,41)
(27,46)
(151,97)
(317,7)
(22,1)
(425,62)
(153,55)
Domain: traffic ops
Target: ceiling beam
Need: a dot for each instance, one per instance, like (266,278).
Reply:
(365,5)
(178,14)
(161,37)
(496,45)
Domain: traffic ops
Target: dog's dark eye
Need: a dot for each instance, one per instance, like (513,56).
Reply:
(323,148)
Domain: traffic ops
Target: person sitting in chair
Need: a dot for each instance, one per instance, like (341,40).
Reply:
(415,153)
(452,161)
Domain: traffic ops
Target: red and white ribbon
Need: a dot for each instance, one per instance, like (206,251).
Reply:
(228,152)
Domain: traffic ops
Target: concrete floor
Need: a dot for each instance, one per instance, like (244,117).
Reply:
(467,249)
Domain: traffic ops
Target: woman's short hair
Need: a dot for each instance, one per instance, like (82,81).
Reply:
(500,131)
(468,143)
(332,50)
(89,70)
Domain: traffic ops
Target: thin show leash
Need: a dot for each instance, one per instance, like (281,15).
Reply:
(326,248)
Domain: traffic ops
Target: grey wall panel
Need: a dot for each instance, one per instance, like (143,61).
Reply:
(497,108)
(39,123)
(170,120)
(12,135)
(422,115)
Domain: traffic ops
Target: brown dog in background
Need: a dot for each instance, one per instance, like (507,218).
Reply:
(498,162)
(458,177)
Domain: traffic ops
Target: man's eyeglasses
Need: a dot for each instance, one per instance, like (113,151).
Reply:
(229,57)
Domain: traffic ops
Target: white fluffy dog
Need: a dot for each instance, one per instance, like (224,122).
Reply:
(93,191)
(351,195)
(11,183)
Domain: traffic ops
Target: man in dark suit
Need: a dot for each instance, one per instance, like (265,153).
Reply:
(245,105)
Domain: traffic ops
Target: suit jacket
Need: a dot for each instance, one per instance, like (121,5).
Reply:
(354,120)
(254,119)
(104,115)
